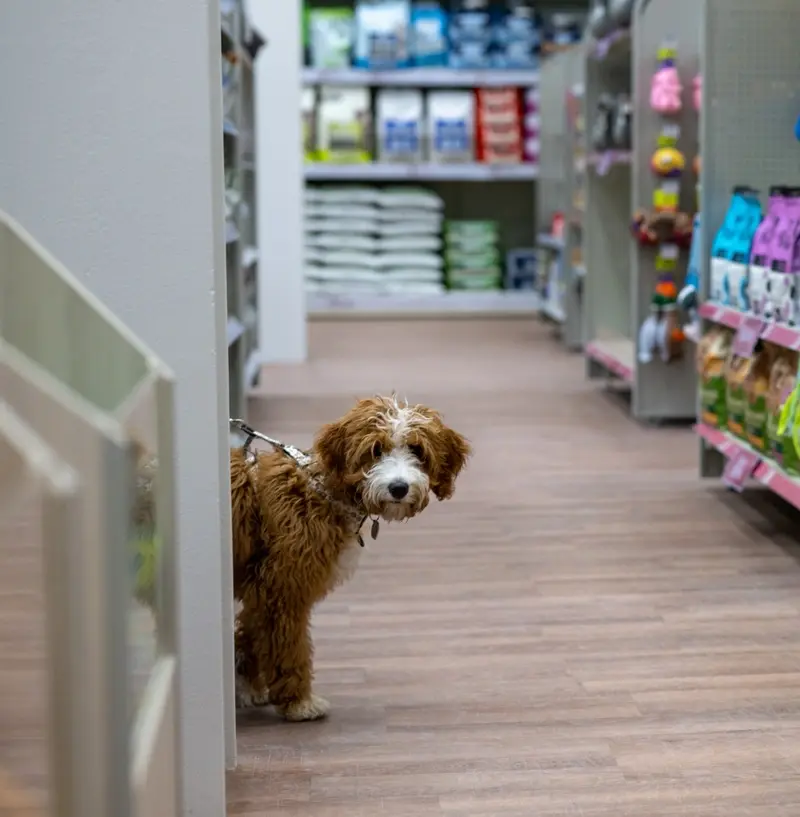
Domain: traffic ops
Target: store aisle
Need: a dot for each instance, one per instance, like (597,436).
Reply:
(582,630)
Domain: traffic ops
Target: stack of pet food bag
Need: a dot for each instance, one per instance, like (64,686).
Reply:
(756,399)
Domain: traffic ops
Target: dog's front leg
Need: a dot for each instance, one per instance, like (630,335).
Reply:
(292,671)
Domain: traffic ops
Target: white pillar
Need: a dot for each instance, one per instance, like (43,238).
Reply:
(110,155)
(279,159)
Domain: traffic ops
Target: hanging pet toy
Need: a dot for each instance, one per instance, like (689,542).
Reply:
(666,87)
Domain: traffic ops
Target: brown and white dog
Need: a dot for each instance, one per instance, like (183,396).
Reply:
(297,532)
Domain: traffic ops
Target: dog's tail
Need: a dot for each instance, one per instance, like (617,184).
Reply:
(244,512)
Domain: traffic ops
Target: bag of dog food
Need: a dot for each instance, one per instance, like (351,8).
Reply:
(399,126)
(382,34)
(712,352)
(757,389)
(343,125)
(737,371)
(330,33)
(451,126)
(782,382)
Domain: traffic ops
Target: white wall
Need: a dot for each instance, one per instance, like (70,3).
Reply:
(279,157)
(110,148)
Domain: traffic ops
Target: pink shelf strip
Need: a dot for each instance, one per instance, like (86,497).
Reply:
(616,367)
(766,472)
(786,336)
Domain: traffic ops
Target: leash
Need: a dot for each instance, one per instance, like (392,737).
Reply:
(301,458)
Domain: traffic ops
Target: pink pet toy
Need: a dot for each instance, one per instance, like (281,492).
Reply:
(666,88)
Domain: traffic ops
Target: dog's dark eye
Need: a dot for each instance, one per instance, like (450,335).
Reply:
(417,451)
(377,450)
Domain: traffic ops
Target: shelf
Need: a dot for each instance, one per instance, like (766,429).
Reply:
(550,242)
(422,78)
(766,472)
(786,336)
(614,45)
(377,172)
(553,312)
(614,355)
(235,330)
(603,161)
(252,368)
(453,304)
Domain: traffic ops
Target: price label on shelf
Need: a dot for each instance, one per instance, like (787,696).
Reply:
(740,466)
(747,335)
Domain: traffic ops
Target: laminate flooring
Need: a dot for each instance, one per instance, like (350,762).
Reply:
(584,630)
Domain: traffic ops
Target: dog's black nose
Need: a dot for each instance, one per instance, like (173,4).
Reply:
(398,489)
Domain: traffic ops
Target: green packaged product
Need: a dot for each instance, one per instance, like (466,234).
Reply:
(472,260)
(789,431)
(755,411)
(712,352)
(737,370)
(782,381)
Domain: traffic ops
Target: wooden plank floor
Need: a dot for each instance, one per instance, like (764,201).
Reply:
(583,630)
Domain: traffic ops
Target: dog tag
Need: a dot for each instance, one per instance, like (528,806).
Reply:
(361,540)
(376,526)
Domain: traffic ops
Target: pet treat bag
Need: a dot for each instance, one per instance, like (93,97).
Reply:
(756,389)
(343,125)
(451,126)
(737,370)
(399,126)
(782,382)
(789,431)
(712,352)
(331,37)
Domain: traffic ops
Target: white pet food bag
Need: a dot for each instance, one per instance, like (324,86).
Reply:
(451,126)
(331,37)
(382,33)
(399,126)
(343,125)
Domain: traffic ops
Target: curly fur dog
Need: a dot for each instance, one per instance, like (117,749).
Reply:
(297,532)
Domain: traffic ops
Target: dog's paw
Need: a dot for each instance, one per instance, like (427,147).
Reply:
(311,709)
(247,697)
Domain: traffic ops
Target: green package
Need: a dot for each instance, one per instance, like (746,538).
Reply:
(755,411)
(782,382)
(789,432)
(737,372)
(712,355)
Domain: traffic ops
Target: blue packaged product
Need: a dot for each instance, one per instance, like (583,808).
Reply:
(382,34)
(428,34)
(471,21)
(470,55)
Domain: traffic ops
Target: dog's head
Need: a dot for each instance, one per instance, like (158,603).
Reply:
(391,456)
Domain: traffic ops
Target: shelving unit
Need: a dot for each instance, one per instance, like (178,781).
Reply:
(240,203)
(562,301)
(505,193)
(607,321)
(620,273)
(750,70)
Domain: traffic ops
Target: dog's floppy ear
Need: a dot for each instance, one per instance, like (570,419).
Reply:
(451,454)
(331,448)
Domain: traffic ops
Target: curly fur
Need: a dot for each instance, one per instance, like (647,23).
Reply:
(295,532)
